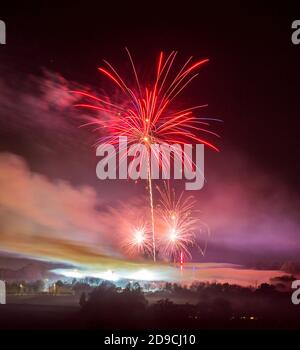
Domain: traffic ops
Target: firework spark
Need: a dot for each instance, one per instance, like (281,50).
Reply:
(145,115)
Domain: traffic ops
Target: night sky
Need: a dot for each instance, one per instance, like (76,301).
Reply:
(251,197)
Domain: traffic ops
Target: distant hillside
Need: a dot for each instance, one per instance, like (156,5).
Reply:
(22,269)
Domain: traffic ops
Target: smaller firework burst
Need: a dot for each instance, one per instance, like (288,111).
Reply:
(181,228)
(139,241)
(176,243)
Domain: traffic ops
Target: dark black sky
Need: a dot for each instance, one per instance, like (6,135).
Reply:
(251,82)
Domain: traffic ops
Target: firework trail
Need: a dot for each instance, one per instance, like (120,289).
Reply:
(144,114)
(152,209)
(180,224)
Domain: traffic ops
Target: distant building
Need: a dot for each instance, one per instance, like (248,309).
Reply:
(2,292)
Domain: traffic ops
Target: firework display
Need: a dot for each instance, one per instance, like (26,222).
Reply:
(145,116)
(179,229)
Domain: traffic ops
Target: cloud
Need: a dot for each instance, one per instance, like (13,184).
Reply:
(46,217)
(251,210)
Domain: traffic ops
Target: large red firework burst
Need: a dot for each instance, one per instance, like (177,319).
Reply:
(144,114)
